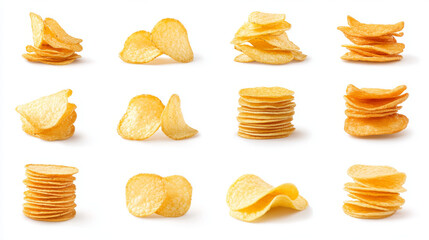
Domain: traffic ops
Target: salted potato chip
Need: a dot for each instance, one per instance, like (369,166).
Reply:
(266,56)
(374,30)
(145,193)
(51,170)
(375,104)
(380,49)
(171,37)
(363,212)
(243,58)
(46,112)
(37,27)
(138,48)
(374,93)
(377,176)
(359,187)
(50,52)
(265,18)
(266,92)
(179,196)
(352,56)
(172,122)
(361,127)
(142,119)
(62,131)
(391,202)
(51,40)
(59,32)
(370,40)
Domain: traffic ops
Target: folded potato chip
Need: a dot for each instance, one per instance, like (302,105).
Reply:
(138,48)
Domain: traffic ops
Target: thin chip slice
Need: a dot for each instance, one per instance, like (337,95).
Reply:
(65,217)
(51,170)
(50,39)
(370,40)
(264,105)
(179,196)
(138,48)
(381,201)
(374,30)
(374,93)
(266,92)
(380,49)
(47,51)
(352,56)
(376,104)
(265,18)
(172,122)
(366,205)
(361,127)
(250,30)
(371,193)
(37,27)
(359,187)
(142,119)
(145,194)
(366,213)
(244,135)
(243,58)
(369,115)
(266,56)
(59,32)
(275,134)
(171,38)
(362,111)
(250,120)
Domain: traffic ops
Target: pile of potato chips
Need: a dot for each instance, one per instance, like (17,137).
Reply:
(373,111)
(168,37)
(52,45)
(375,191)
(373,42)
(265,112)
(146,113)
(250,197)
(51,193)
(49,118)
(263,39)
(149,193)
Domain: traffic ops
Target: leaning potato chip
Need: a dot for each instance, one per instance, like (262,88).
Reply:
(375,126)
(374,30)
(50,39)
(179,196)
(374,93)
(138,48)
(46,112)
(145,193)
(266,56)
(265,18)
(59,32)
(62,131)
(243,58)
(171,37)
(351,56)
(37,27)
(172,122)
(142,119)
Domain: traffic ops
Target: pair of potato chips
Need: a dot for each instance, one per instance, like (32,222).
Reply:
(146,114)
(49,118)
(52,45)
(265,113)
(373,42)
(374,111)
(168,37)
(250,197)
(375,192)
(263,39)
(147,194)
(51,193)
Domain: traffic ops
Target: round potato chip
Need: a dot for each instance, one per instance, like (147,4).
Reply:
(170,36)
(361,127)
(265,18)
(381,201)
(138,48)
(370,193)
(145,194)
(142,119)
(65,217)
(366,213)
(248,136)
(266,56)
(374,93)
(172,122)
(50,52)
(51,170)
(52,41)
(359,187)
(266,92)
(179,196)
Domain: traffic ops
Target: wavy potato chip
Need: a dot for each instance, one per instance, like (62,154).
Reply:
(249,30)
(59,32)
(375,104)
(266,56)
(375,126)
(266,92)
(243,58)
(380,49)
(374,93)
(374,30)
(390,202)
(172,122)
(171,37)
(50,39)
(352,56)
(37,27)
(265,18)
(370,40)
(359,187)
(366,213)
(50,52)
(138,48)
(142,119)
(179,196)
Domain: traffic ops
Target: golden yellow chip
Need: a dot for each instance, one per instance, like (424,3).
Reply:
(380,49)
(51,40)
(267,92)
(375,104)
(145,193)
(390,202)
(374,30)
(369,115)
(265,105)
(179,196)
(370,40)
(363,212)
(58,60)
(37,27)
(250,30)
(172,122)
(171,37)
(138,48)
(50,52)
(374,93)
(142,119)
(243,58)
(361,127)
(51,170)
(265,18)
(352,56)
(266,56)
(371,193)
(59,32)
(359,187)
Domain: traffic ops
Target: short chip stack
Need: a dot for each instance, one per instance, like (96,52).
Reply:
(263,39)
(52,45)
(374,42)
(375,192)
(51,193)
(374,111)
(265,112)
(49,118)
(250,197)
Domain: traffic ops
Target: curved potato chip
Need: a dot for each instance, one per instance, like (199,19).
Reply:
(359,187)
(352,56)
(266,92)
(59,32)
(265,18)
(370,40)
(368,115)
(264,105)
(37,27)
(266,56)
(138,48)
(51,60)
(145,193)
(51,170)
(371,193)
(46,112)
(361,127)
(380,49)
(375,104)
(50,39)
(172,122)
(50,52)
(374,93)
(366,213)
(374,30)
(179,196)
(171,37)
(243,58)
(142,119)
(390,202)
(250,30)
(61,132)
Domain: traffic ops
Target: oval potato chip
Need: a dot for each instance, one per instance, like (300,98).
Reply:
(374,30)
(352,56)
(138,48)
(179,196)
(266,92)
(51,170)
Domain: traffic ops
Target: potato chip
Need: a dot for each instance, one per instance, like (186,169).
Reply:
(380,49)
(381,201)
(249,30)
(138,48)
(171,37)
(374,30)
(375,104)
(142,119)
(366,213)
(266,92)
(370,40)
(51,170)
(243,58)
(251,120)
(368,115)
(37,27)
(374,93)
(351,56)
(172,122)
(264,105)
(145,193)
(266,56)
(50,52)
(179,196)
(360,187)
(375,126)
(61,218)
(265,18)
(371,193)
(59,32)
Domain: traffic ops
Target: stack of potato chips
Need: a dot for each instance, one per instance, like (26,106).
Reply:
(373,111)
(374,42)
(51,193)
(375,191)
(265,112)
(52,45)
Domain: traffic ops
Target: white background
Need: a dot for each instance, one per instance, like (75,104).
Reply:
(315,157)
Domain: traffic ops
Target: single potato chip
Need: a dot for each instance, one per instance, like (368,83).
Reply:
(138,48)
(382,201)
(179,196)
(374,30)
(251,30)
(379,49)
(171,38)
(51,40)
(361,127)
(243,58)
(59,32)
(366,213)
(266,56)
(265,18)
(172,122)
(359,187)
(352,56)
(375,104)
(51,170)
(37,27)
(374,93)
(267,92)
(142,119)
(370,40)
